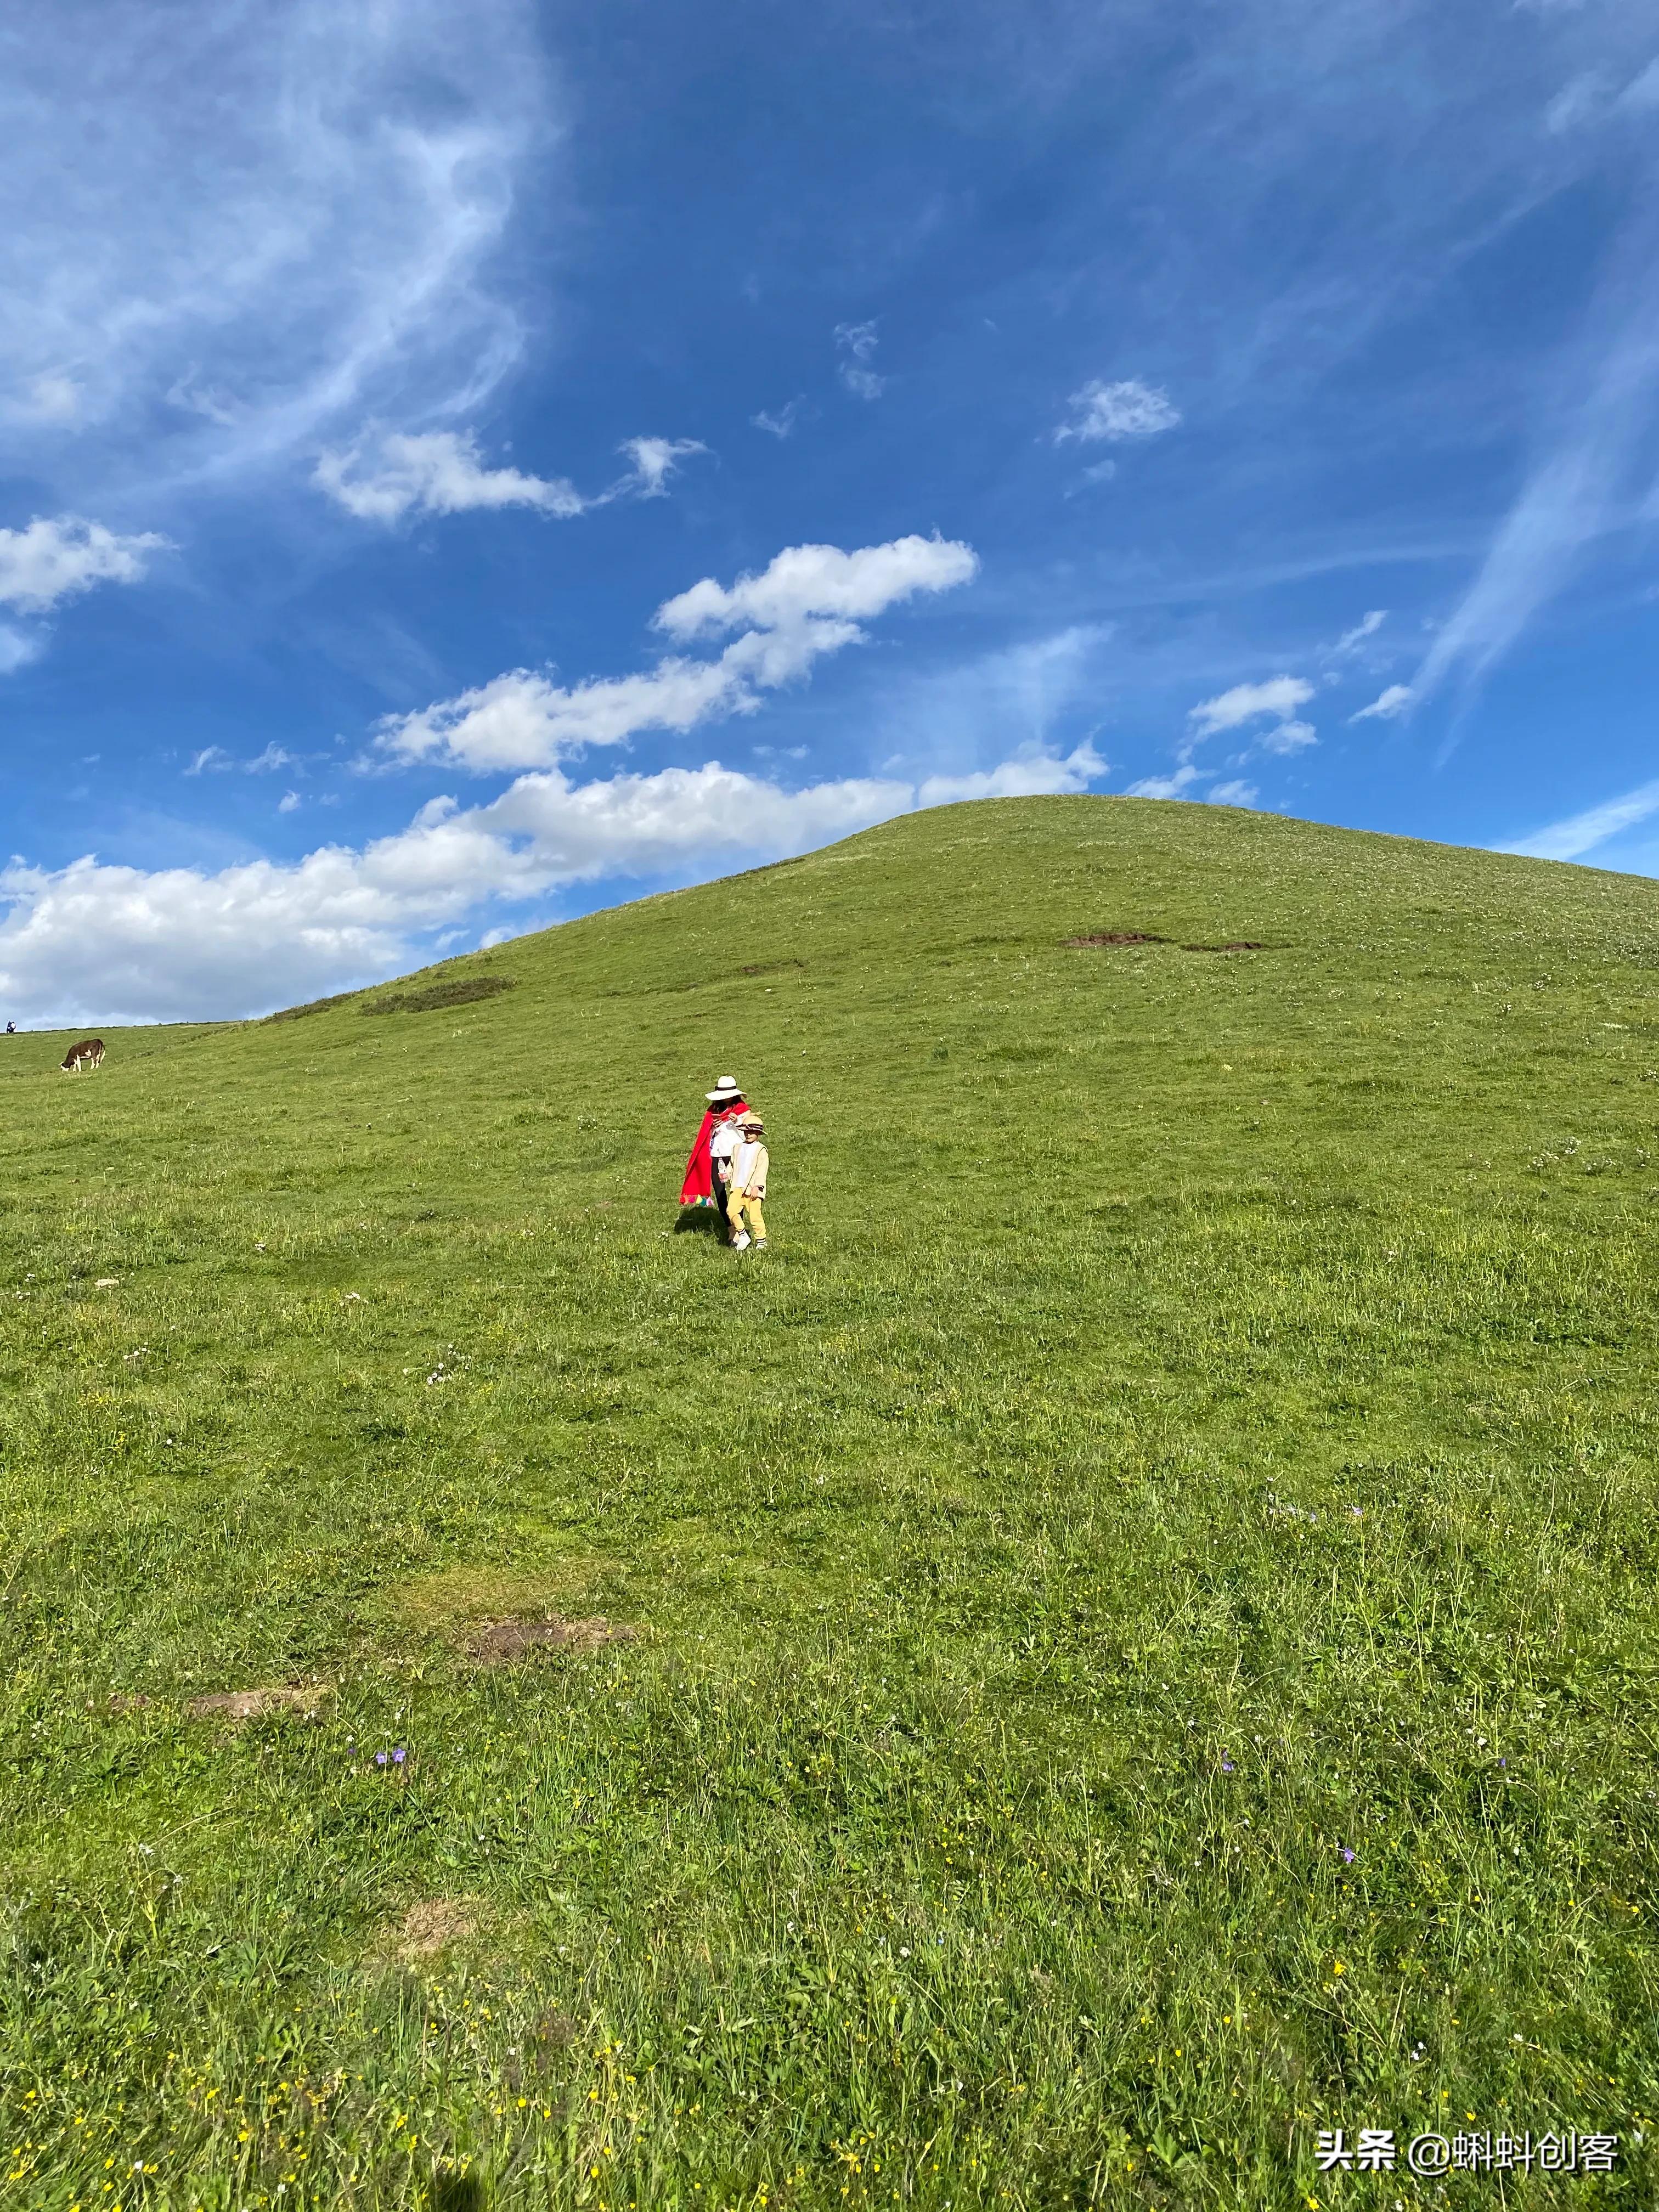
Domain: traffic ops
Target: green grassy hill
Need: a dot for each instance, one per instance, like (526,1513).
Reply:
(1142,1602)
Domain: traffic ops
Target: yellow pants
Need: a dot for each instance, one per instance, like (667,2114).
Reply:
(737,1208)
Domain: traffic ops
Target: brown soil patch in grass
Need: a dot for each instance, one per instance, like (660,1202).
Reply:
(307,1697)
(437,1924)
(499,1643)
(1116,937)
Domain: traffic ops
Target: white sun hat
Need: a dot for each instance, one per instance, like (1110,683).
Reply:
(727,1089)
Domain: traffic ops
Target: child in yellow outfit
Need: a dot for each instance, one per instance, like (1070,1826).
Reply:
(747,1188)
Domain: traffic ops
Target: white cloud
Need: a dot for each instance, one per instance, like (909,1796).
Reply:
(1582,833)
(524,720)
(809,580)
(17,649)
(437,473)
(1030,775)
(1351,640)
(1583,480)
(1166,786)
(1230,794)
(857,344)
(782,424)
(1099,472)
(1387,705)
(288,803)
(222,231)
(442,472)
(655,460)
(214,760)
(101,942)
(1280,695)
(1289,737)
(799,608)
(55,559)
(1129,409)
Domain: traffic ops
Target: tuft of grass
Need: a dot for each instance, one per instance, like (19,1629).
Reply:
(455,991)
(1146,1592)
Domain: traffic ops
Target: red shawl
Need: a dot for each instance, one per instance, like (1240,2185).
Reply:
(698,1188)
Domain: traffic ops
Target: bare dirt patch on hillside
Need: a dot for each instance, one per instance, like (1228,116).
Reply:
(307,1699)
(502,1643)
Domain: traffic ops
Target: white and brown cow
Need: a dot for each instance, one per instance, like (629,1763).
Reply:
(89,1053)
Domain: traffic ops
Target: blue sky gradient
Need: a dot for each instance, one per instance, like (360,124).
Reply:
(1252,404)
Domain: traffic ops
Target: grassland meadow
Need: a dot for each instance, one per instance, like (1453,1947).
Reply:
(1125,1641)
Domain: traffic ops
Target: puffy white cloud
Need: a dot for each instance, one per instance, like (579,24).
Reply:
(1388,704)
(1230,794)
(92,942)
(524,720)
(857,344)
(799,608)
(442,472)
(806,580)
(55,559)
(1280,695)
(1129,409)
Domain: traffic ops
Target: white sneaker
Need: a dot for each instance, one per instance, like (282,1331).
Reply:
(740,1242)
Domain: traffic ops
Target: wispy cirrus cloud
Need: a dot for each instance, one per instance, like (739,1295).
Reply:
(214,760)
(1126,410)
(780,425)
(324,245)
(856,343)
(1592,468)
(809,601)
(1578,834)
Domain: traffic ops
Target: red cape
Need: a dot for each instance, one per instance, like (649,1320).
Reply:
(698,1188)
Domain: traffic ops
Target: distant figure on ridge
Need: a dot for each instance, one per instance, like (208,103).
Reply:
(709,1165)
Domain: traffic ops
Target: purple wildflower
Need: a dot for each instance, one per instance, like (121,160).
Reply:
(398,1756)
(1226,1766)
(379,1759)
(1347,1855)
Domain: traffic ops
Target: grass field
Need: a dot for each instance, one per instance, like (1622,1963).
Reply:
(1143,1600)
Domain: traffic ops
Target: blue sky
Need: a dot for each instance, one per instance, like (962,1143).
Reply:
(462,466)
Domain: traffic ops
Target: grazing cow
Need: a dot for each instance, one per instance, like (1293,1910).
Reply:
(89,1053)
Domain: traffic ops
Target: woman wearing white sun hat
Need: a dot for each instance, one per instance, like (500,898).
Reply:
(706,1169)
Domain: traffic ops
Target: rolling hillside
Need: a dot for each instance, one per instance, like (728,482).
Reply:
(1124,1640)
